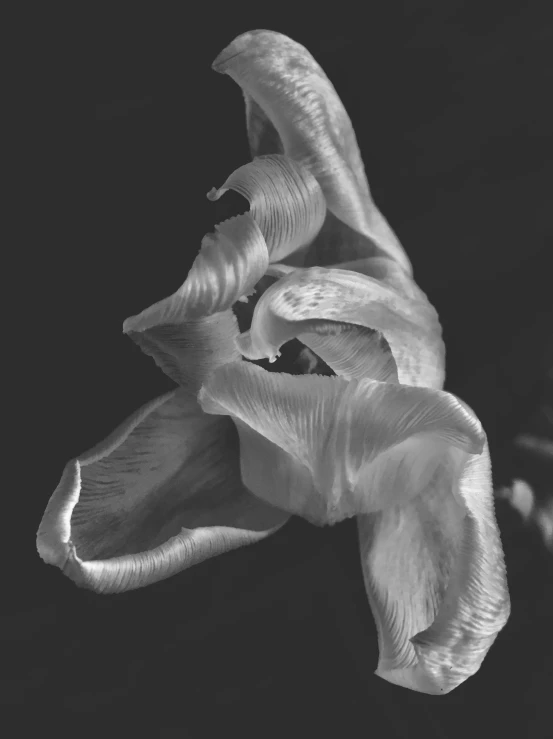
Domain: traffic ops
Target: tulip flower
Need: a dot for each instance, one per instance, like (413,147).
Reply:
(227,457)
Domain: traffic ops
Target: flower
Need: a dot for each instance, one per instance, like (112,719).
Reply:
(227,457)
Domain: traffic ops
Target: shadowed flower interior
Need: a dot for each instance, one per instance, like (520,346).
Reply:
(226,458)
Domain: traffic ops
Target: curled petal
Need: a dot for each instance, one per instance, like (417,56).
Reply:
(307,301)
(229,264)
(187,352)
(353,352)
(435,577)
(194,330)
(285,200)
(293,108)
(337,448)
(386,271)
(162,493)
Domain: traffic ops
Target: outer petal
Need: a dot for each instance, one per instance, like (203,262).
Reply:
(292,108)
(435,577)
(286,202)
(162,493)
(192,331)
(336,448)
(307,302)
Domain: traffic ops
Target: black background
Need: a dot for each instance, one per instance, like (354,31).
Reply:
(449,101)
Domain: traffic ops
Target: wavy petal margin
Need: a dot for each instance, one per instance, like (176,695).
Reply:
(285,199)
(293,108)
(307,303)
(194,330)
(435,578)
(336,448)
(160,494)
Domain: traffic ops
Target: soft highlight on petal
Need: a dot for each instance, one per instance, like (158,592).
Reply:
(337,448)
(435,577)
(285,199)
(162,493)
(306,300)
(229,264)
(193,331)
(353,352)
(293,108)
(187,352)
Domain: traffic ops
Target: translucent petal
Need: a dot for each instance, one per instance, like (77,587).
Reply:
(229,264)
(194,330)
(353,352)
(187,352)
(326,449)
(162,493)
(285,200)
(292,108)
(307,301)
(435,577)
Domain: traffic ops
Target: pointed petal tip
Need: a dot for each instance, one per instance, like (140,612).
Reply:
(285,201)
(290,100)
(412,678)
(255,350)
(53,535)
(437,636)
(442,668)
(230,262)
(241,43)
(133,323)
(50,552)
(105,547)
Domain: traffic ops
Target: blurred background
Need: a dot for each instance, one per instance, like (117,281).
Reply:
(450,106)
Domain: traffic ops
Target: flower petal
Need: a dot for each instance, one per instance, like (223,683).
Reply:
(286,202)
(162,493)
(292,108)
(353,352)
(192,331)
(435,577)
(336,448)
(307,301)
(229,264)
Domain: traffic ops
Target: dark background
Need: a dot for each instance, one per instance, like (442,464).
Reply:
(449,101)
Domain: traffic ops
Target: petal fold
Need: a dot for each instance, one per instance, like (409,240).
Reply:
(229,264)
(285,200)
(162,493)
(293,108)
(337,448)
(194,330)
(306,302)
(435,577)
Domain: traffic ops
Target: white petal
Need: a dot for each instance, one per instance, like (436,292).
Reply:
(307,301)
(292,108)
(435,577)
(162,493)
(187,352)
(192,331)
(285,200)
(326,449)
(229,264)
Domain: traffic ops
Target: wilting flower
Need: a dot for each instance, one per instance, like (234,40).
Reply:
(226,458)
